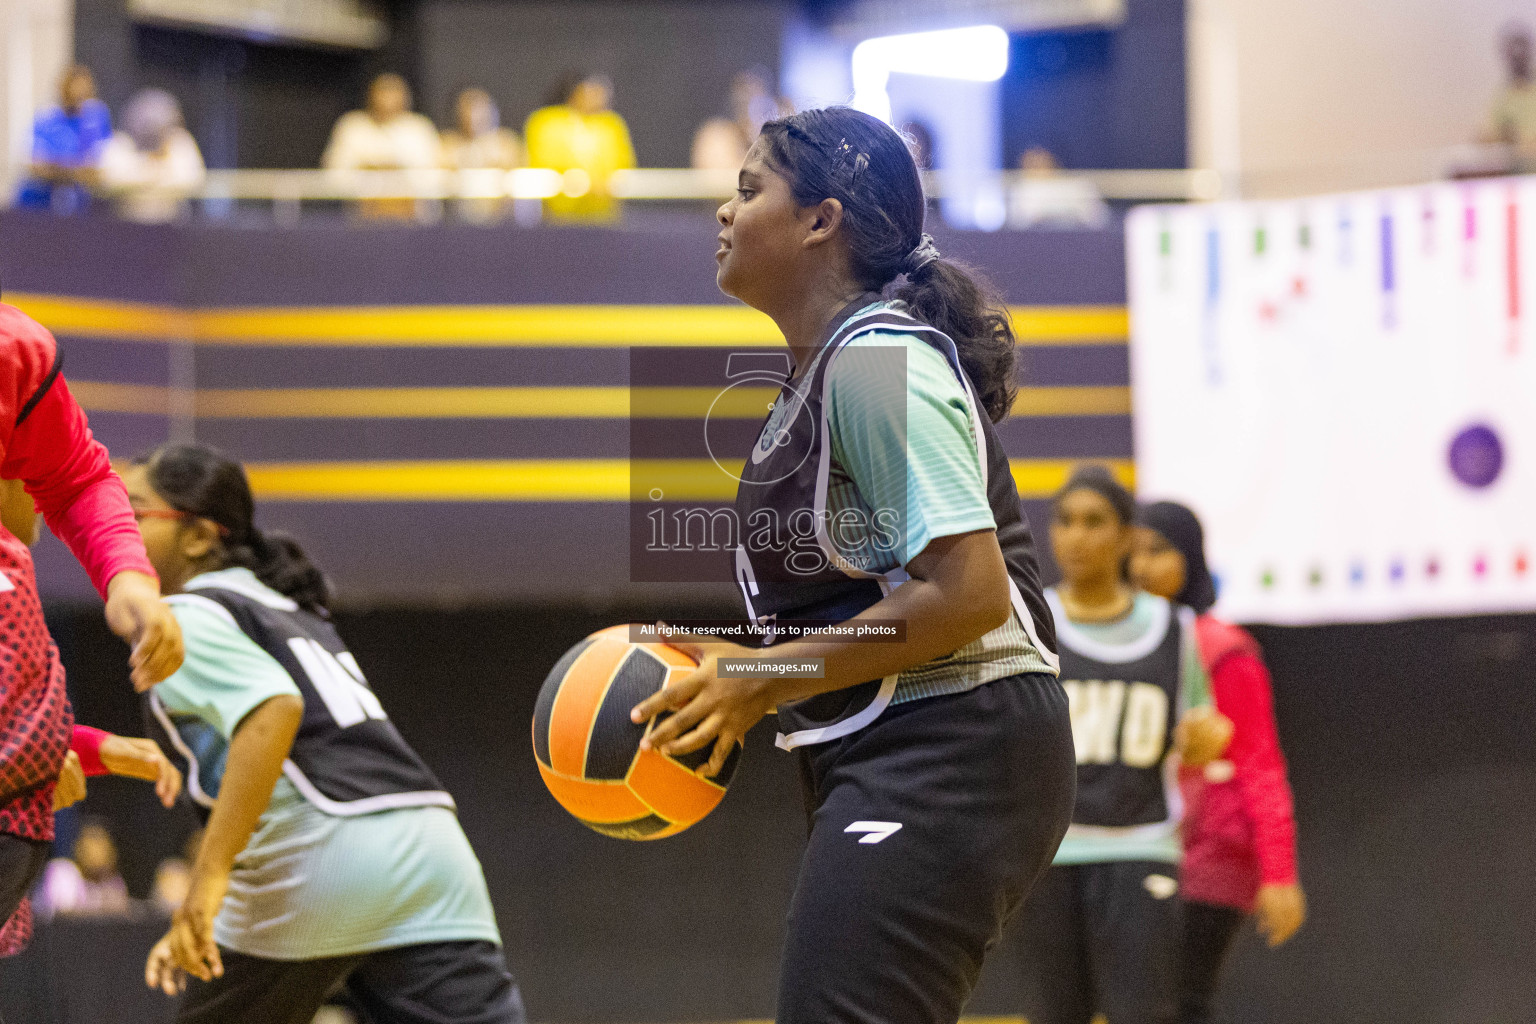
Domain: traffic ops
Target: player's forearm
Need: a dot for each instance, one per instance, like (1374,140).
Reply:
(256,755)
(962,595)
(121,755)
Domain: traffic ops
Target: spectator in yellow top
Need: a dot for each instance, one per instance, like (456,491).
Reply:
(578,132)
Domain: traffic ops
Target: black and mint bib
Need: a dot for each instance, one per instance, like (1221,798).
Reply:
(788,565)
(1125,702)
(347,758)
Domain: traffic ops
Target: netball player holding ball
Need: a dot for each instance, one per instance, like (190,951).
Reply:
(1104,931)
(331,856)
(937,771)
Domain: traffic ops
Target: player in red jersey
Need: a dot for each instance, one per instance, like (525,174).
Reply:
(1239,826)
(46,443)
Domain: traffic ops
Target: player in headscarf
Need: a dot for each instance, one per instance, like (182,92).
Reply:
(1239,825)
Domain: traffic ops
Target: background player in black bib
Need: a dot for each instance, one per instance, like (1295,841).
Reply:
(937,771)
(1103,932)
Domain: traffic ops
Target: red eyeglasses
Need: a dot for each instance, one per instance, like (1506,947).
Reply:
(141,514)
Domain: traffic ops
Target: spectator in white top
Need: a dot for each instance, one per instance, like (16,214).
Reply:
(478,142)
(386,136)
(721,143)
(153,164)
(1044,197)
(87,884)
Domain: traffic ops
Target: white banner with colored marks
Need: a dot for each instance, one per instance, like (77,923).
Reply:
(1344,388)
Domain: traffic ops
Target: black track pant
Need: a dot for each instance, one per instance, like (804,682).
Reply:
(956,805)
(434,983)
(1103,938)
(1209,932)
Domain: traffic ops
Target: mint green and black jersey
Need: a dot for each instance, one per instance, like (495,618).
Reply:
(1128,682)
(872,451)
(359,848)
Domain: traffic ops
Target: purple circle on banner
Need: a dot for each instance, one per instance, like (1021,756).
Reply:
(1476,456)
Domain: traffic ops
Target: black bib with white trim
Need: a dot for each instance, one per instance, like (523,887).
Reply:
(1125,702)
(347,758)
(803,575)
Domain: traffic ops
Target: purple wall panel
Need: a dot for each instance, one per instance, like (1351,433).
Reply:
(450,551)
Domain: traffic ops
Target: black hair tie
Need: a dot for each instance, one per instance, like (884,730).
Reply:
(925,253)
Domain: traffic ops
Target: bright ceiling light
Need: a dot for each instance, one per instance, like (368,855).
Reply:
(975,54)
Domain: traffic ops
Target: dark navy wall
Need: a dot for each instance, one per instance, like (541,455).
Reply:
(1103,98)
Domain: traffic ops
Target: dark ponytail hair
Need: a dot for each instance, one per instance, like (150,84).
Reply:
(844,154)
(204,482)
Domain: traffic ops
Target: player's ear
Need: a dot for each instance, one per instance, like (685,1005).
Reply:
(822,221)
(199,538)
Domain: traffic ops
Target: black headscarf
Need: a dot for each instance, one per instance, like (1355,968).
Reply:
(1181,529)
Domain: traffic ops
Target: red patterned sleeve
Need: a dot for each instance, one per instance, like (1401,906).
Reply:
(48,445)
(1241,685)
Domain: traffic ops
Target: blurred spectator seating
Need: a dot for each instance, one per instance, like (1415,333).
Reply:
(1044,197)
(478,142)
(66,144)
(387,136)
(152,165)
(87,884)
(173,880)
(578,132)
(721,143)
(1512,118)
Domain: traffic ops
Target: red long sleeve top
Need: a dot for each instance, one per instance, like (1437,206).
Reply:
(1239,825)
(46,443)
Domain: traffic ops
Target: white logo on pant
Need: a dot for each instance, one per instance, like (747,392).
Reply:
(1160,886)
(877,830)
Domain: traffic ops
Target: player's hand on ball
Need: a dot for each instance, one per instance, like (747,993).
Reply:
(161,972)
(191,936)
(704,706)
(1281,910)
(70,789)
(1202,736)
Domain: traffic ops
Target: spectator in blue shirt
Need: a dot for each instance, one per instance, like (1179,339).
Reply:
(66,144)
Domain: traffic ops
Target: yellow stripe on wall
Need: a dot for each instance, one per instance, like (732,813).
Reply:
(63,314)
(557,479)
(517,402)
(530,325)
(1073,401)
(1042,478)
(106,396)
(1071,325)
